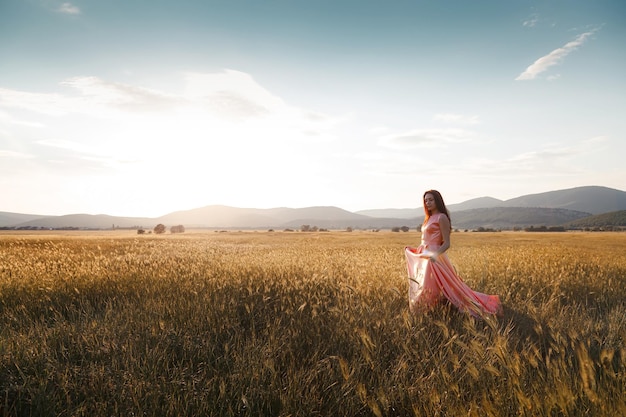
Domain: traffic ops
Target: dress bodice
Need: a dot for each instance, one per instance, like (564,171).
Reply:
(431,232)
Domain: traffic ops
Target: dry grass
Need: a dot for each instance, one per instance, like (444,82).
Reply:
(301,324)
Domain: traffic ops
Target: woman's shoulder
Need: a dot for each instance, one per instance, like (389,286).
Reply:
(436,218)
(440,218)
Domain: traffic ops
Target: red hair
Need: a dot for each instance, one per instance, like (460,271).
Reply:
(441,206)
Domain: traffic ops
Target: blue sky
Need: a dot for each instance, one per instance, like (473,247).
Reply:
(140,108)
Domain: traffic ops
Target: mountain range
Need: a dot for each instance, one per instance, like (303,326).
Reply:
(551,208)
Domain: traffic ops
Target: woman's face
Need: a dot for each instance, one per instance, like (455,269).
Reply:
(429,202)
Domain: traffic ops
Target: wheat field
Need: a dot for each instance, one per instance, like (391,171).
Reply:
(306,324)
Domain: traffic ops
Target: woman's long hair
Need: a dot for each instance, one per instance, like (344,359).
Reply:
(441,206)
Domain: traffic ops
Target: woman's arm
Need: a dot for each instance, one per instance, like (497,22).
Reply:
(444,227)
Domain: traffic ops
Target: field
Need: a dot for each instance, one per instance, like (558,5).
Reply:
(305,324)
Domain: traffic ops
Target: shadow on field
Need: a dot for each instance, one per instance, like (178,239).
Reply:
(523,327)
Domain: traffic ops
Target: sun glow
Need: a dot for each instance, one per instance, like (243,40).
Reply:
(225,136)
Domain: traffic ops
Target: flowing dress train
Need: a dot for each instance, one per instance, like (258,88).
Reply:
(430,281)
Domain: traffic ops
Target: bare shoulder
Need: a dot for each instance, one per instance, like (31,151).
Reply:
(443,220)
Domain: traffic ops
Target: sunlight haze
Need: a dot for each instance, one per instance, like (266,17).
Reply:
(142,108)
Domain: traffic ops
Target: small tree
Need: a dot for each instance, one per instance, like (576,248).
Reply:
(177,229)
(159,228)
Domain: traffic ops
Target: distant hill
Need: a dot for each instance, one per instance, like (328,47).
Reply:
(592,199)
(476,203)
(553,208)
(615,218)
(395,213)
(234,217)
(88,221)
(8,219)
(411,213)
(511,217)
(218,216)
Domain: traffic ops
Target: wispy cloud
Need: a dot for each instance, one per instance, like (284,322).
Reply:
(103,124)
(458,119)
(555,160)
(223,97)
(531,21)
(81,157)
(425,138)
(231,94)
(6,119)
(533,159)
(553,58)
(67,145)
(69,8)
(14,155)
(41,103)
(96,97)
(123,97)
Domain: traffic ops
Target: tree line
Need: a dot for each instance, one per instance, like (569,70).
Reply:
(160,229)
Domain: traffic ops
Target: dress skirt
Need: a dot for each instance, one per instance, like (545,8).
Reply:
(433,281)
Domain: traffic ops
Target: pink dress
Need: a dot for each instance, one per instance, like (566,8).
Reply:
(430,281)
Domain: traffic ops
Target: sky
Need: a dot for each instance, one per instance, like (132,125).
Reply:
(145,107)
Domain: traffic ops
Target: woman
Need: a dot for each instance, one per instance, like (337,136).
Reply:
(431,274)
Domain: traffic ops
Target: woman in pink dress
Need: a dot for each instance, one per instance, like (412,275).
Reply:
(431,274)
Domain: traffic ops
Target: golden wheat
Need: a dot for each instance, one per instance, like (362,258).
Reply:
(300,324)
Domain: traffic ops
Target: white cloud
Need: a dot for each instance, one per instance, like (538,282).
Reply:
(379,130)
(50,104)
(595,141)
(456,119)
(67,145)
(542,158)
(69,8)
(556,160)
(531,21)
(425,138)
(97,92)
(562,163)
(225,97)
(553,58)
(6,118)
(14,155)
(231,93)
(95,97)
(219,123)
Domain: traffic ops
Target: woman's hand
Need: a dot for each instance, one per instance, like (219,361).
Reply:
(431,256)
